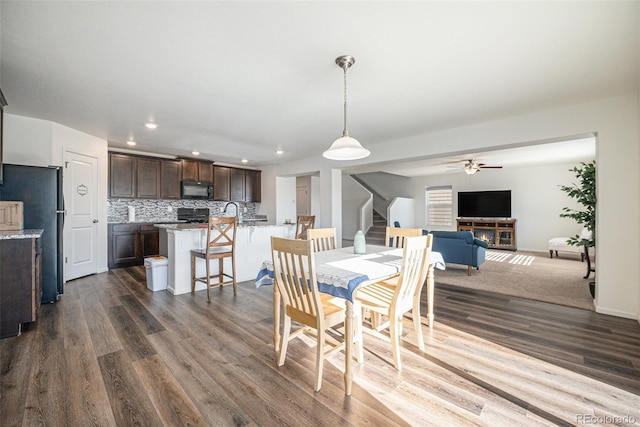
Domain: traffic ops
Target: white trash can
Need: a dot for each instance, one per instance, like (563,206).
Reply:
(156,267)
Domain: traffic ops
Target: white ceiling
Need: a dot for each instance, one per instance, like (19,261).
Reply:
(241,79)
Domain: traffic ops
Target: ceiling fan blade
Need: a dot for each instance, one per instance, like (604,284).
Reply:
(490,167)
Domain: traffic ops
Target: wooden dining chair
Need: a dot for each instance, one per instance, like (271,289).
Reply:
(295,276)
(395,236)
(221,244)
(394,297)
(304,223)
(324,239)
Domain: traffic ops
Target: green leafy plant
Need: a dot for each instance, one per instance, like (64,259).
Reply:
(584,191)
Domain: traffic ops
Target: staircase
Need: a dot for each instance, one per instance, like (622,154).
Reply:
(376,234)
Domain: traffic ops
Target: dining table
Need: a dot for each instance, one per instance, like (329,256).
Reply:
(340,272)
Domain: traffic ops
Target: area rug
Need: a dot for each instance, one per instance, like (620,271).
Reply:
(527,275)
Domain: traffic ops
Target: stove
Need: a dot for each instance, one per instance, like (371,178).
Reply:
(194,215)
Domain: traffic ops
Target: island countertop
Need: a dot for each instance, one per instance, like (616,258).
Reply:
(253,246)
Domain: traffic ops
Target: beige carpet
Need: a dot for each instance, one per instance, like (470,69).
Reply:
(528,275)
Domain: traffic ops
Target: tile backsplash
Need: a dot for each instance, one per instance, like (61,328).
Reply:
(166,210)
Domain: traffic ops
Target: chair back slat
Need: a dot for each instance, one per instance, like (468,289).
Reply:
(395,237)
(294,273)
(222,232)
(324,239)
(413,271)
(303,224)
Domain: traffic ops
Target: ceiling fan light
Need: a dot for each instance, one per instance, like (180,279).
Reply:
(471,168)
(346,148)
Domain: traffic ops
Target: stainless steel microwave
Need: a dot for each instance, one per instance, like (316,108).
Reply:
(198,190)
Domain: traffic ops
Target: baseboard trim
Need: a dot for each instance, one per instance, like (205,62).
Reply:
(617,313)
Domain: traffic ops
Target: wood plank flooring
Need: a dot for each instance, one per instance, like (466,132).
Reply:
(111,352)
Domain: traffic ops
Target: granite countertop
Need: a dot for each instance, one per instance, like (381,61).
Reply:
(21,234)
(147,221)
(196,226)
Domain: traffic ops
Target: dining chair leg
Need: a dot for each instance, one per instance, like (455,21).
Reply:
(395,340)
(357,332)
(319,358)
(417,319)
(284,340)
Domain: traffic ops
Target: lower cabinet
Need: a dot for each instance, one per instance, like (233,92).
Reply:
(20,283)
(129,244)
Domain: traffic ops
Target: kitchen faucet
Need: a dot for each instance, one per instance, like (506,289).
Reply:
(224,212)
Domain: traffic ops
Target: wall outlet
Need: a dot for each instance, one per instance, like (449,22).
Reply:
(169,208)
(244,210)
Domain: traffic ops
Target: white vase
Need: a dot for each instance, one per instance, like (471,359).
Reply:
(359,243)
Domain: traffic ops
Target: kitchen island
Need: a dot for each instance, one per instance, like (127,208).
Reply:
(253,246)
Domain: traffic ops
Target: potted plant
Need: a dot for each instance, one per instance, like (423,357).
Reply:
(584,192)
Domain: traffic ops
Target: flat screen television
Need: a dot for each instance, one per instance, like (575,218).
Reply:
(484,204)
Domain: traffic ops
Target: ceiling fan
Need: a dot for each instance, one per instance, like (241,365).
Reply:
(471,166)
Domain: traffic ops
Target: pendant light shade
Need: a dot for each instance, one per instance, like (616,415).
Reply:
(345,147)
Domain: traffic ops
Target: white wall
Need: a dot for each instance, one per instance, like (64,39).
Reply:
(536,199)
(354,196)
(36,142)
(616,123)
(27,141)
(402,209)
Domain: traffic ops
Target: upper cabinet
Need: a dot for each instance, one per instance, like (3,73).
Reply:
(253,183)
(142,177)
(237,185)
(148,179)
(170,174)
(221,181)
(122,175)
(196,170)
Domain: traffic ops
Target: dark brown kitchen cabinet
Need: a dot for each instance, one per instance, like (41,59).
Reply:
(236,187)
(170,173)
(221,180)
(197,170)
(122,175)
(20,283)
(148,178)
(129,244)
(253,183)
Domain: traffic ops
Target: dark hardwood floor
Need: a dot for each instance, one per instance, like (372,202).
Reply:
(111,352)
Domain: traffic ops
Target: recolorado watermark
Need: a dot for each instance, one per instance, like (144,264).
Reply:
(605,419)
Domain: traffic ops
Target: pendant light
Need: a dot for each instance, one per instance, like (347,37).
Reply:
(345,147)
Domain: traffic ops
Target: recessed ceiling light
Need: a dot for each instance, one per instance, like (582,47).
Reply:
(195,153)
(131,142)
(244,161)
(279,152)
(151,125)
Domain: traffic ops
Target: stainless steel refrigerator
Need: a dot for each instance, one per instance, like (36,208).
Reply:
(40,191)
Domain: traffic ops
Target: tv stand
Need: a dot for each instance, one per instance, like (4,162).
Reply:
(498,233)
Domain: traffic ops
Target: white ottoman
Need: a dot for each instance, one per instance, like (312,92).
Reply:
(559,244)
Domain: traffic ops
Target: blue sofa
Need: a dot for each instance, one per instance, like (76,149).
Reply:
(459,247)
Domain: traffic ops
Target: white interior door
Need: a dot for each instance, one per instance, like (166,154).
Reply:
(80,181)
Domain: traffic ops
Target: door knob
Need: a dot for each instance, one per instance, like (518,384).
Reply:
(95,221)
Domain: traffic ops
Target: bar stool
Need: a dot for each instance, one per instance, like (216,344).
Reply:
(303,224)
(221,244)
